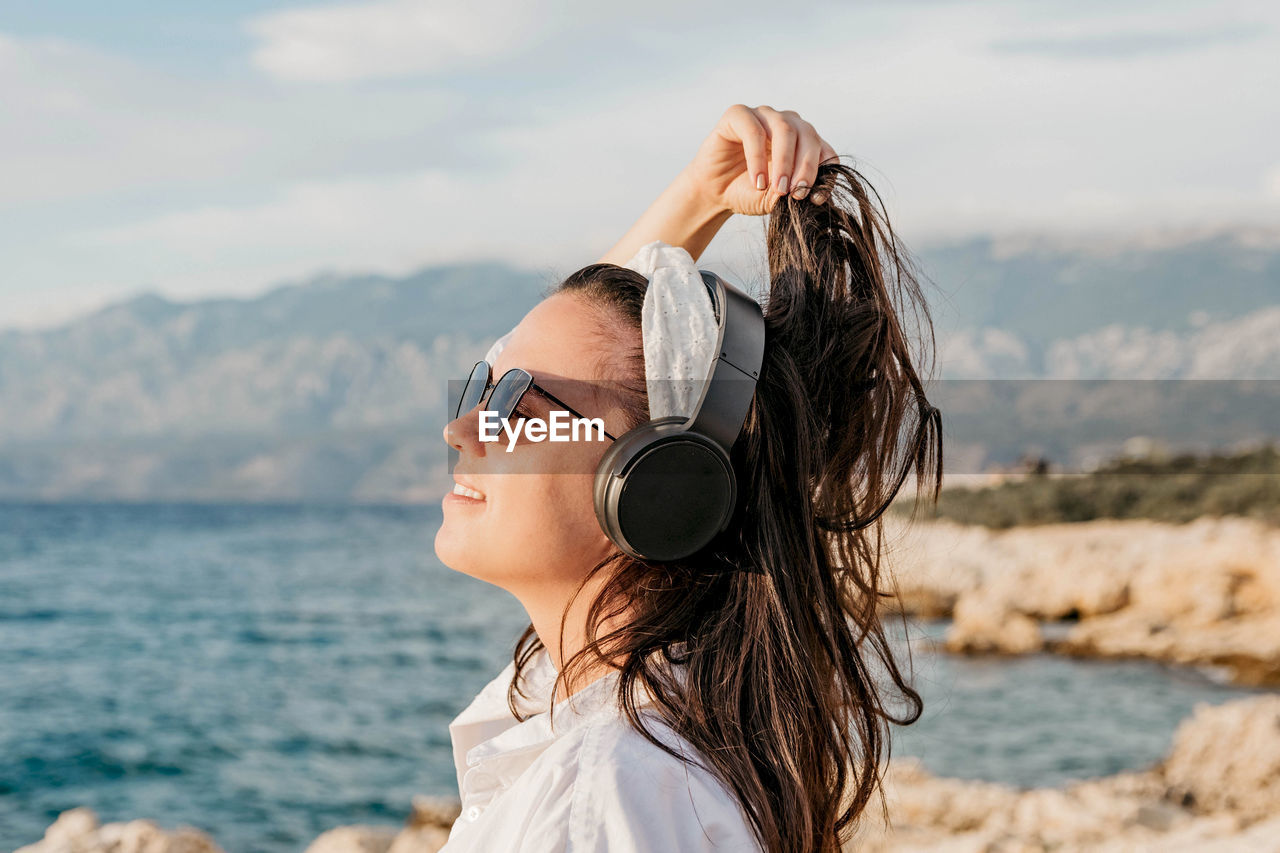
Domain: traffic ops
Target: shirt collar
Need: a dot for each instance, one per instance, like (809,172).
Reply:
(486,734)
(489,715)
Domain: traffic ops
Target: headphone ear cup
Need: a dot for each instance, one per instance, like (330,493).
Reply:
(662,493)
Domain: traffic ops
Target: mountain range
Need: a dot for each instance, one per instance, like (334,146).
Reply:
(334,390)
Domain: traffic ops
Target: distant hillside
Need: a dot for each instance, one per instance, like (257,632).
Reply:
(334,390)
(1202,307)
(1244,347)
(330,391)
(356,353)
(1045,289)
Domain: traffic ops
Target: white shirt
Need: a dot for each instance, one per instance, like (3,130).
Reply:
(592,783)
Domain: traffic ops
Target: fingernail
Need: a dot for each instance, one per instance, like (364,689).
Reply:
(801,190)
(819,198)
(782,185)
(762,182)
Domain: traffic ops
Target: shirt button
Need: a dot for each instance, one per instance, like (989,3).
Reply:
(473,813)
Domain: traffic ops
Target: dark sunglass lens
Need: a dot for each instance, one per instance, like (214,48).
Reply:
(507,393)
(474,389)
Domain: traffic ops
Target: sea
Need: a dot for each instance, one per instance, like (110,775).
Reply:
(268,672)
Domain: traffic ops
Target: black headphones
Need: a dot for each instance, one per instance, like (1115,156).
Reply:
(665,489)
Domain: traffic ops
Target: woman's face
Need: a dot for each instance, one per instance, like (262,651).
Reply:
(535,530)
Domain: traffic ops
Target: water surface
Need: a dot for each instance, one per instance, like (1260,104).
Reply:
(266,673)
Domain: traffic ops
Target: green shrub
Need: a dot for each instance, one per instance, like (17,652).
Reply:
(1174,489)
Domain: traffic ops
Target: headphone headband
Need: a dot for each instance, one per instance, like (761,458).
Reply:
(731,381)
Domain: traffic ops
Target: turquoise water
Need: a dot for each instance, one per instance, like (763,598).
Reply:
(267,673)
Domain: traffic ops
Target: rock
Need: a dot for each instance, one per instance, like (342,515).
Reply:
(438,812)
(1158,816)
(1217,791)
(1260,838)
(77,831)
(937,562)
(354,839)
(425,831)
(1247,648)
(1232,804)
(1227,758)
(1205,593)
(427,828)
(69,828)
(422,839)
(918,799)
(1215,834)
(984,624)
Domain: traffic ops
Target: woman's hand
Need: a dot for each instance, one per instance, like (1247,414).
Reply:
(747,146)
(756,156)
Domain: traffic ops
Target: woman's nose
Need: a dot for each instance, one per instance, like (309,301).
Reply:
(461,432)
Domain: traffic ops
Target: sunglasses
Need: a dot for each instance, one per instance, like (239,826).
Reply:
(504,395)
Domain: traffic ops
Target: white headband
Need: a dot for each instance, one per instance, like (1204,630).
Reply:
(677,325)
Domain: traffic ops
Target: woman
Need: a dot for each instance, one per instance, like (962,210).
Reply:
(737,699)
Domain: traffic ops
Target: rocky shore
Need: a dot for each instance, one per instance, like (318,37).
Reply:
(1217,791)
(1204,593)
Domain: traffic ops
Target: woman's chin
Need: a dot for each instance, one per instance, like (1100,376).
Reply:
(449,549)
(460,539)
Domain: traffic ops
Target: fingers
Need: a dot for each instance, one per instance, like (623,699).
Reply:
(808,155)
(755,140)
(782,149)
(795,152)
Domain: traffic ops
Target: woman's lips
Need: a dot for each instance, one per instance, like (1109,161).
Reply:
(467,492)
(464,495)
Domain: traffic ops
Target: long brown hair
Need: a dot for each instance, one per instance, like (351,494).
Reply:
(789,668)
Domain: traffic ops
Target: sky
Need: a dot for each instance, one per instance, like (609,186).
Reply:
(213,149)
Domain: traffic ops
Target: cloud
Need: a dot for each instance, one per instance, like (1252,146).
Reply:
(541,145)
(396,38)
(1271,181)
(79,124)
(1125,45)
(356,42)
(386,223)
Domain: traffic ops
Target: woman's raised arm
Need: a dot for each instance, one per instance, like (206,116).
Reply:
(752,158)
